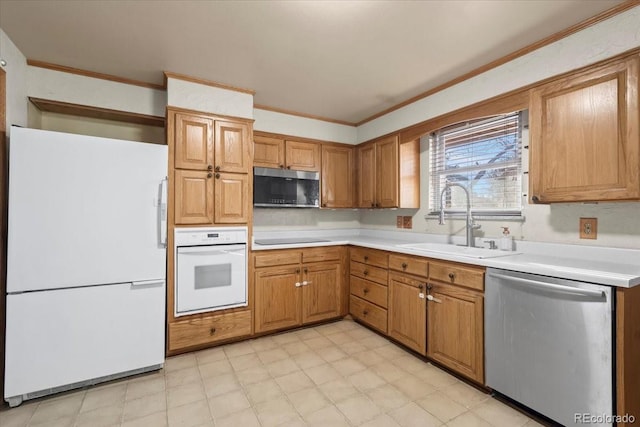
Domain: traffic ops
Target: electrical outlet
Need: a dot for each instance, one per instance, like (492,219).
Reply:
(588,228)
(399,222)
(407,222)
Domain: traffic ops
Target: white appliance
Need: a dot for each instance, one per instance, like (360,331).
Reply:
(86,263)
(210,269)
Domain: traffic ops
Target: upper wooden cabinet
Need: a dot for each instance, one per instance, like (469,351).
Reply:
(203,143)
(388,174)
(231,198)
(275,152)
(337,178)
(584,135)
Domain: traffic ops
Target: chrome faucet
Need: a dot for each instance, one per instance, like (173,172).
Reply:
(470,225)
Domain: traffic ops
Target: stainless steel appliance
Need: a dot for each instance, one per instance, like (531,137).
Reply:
(549,345)
(210,269)
(284,188)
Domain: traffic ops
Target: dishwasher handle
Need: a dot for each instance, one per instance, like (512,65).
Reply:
(553,287)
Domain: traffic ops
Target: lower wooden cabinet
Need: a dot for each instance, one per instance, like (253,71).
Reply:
(408,311)
(368,313)
(295,292)
(209,329)
(455,335)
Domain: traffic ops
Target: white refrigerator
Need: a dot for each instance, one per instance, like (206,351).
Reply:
(86,261)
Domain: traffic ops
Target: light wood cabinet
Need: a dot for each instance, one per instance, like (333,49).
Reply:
(585,140)
(455,317)
(368,287)
(231,198)
(193,141)
(298,292)
(337,177)
(408,311)
(205,149)
(388,174)
(272,151)
(193,197)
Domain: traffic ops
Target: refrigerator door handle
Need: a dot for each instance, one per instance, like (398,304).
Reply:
(141,283)
(163,212)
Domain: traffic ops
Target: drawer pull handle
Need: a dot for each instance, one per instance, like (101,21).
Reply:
(212,331)
(305,270)
(365,291)
(452,276)
(404,265)
(366,258)
(366,272)
(365,312)
(298,284)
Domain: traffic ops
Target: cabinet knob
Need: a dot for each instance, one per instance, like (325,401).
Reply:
(366,272)
(288,167)
(210,167)
(217,176)
(365,312)
(452,276)
(217,168)
(421,286)
(281,166)
(365,291)
(429,287)
(366,258)
(305,270)
(212,331)
(404,265)
(535,199)
(209,175)
(373,205)
(297,271)
(324,205)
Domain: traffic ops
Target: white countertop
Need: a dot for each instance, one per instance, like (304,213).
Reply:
(606,266)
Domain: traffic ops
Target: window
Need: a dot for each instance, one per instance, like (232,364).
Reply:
(484,156)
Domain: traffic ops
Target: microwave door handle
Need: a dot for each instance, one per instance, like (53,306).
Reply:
(163,212)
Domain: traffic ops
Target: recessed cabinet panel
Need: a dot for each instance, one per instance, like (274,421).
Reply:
(193,197)
(268,152)
(232,147)
(337,177)
(231,198)
(278,302)
(193,142)
(366,176)
(408,311)
(387,173)
(303,156)
(321,291)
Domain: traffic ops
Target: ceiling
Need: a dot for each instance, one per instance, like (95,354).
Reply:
(342,60)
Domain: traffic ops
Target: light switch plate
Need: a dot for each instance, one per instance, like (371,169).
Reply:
(399,221)
(407,222)
(589,228)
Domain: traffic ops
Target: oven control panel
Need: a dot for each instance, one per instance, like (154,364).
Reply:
(210,236)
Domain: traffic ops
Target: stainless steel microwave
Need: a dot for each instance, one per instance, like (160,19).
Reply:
(284,188)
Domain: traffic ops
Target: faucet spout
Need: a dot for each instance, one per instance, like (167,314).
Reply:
(470,224)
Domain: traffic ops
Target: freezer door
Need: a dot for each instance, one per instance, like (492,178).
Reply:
(83,211)
(74,335)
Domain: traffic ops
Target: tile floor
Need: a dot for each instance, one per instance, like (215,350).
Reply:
(338,374)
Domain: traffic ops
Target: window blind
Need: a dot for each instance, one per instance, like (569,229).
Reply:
(485,157)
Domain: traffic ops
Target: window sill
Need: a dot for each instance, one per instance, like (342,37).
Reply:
(481,217)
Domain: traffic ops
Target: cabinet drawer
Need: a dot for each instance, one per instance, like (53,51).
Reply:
(210,329)
(331,253)
(369,291)
(368,313)
(375,274)
(408,264)
(457,275)
(370,257)
(271,258)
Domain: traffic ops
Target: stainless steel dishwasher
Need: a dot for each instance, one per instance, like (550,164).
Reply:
(549,345)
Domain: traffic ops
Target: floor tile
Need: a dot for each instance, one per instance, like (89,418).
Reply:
(294,381)
(329,416)
(240,363)
(282,367)
(366,380)
(18,416)
(244,418)
(190,415)
(103,416)
(388,397)
(412,415)
(318,342)
(253,375)
(263,343)
(339,389)
(47,411)
(369,358)
(382,420)
(307,333)
(468,419)
(358,409)
(270,356)
(296,347)
(388,371)
(209,355)
(138,389)
(322,374)
(436,376)
(308,360)
(175,363)
(308,401)
(285,338)
(220,385)
(466,395)
(238,349)
(340,338)
(112,394)
(263,391)
(348,366)
(275,412)
(331,353)
(442,406)
(188,393)
(499,414)
(145,405)
(157,419)
(212,369)
(226,404)
(183,376)
(413,387)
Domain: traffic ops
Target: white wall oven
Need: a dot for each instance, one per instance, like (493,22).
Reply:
(210,269)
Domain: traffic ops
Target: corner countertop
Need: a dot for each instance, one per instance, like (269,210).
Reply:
(600,265)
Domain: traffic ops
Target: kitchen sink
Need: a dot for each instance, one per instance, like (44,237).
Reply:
(464,251)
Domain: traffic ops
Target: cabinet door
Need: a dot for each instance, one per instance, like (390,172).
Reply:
(321,291)
(193,142)
(193,197)
(366,182)
(455,335)
(232,147)
(337,177)
(302,156)
(408,311)
(268,152)
(231,198)
(585,137)
(387,187)
(278,299)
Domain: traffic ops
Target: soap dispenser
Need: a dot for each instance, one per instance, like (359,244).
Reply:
(506,241)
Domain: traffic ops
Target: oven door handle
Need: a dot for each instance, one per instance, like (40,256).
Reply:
(212,249)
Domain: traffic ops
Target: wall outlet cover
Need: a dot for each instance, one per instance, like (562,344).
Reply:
(407,222)
(589,228)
